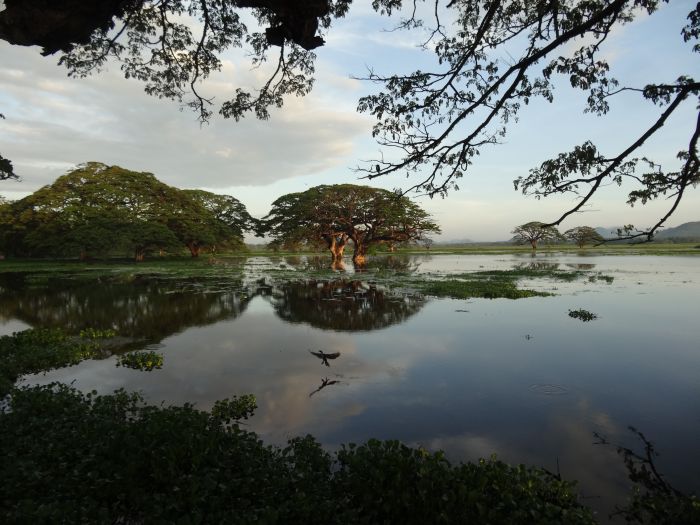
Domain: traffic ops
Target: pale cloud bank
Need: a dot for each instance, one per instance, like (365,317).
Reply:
(54,123)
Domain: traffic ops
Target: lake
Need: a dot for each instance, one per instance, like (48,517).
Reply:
(474,377)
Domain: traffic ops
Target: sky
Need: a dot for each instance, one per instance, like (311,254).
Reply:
(54,123)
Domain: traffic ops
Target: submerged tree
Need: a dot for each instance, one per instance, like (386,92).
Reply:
(582,235)
(534,232)
(340,213)
(433,122)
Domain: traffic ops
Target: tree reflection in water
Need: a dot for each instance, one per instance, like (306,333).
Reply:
(342,305)
(140,308)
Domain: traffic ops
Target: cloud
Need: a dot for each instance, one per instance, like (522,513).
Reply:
(54,122)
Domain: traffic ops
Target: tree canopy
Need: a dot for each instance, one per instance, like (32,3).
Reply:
(534,232)
(335,214)
(432,123)
(582,235)
(98,209)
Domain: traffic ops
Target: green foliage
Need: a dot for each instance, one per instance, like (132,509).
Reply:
(583,315)
(388,482)
(38,350)
(98,209)
(582,235)
(534,232)
(93,333)
(485,288)
(81,458)
(142,360)
(334,214)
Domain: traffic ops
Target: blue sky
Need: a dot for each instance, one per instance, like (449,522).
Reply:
(54,123)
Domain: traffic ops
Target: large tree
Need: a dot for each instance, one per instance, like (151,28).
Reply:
(533,232)
(97,209)
(221,225)
(437,119)
(336,214)
(582,235)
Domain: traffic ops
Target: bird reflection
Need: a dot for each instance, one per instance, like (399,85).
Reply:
(324,357)
(324,383)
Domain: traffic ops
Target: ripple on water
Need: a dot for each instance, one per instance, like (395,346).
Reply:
(549,390)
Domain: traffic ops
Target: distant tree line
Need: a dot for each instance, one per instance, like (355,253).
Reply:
(98,210)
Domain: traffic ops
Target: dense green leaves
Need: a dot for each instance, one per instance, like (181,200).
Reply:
(70,457)
(98,209)
(39,350)
(335,214)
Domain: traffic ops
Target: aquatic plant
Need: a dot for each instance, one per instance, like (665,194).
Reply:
(144,360)
(38,350)
(583,315)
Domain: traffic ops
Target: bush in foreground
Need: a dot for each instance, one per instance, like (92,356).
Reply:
(71,457)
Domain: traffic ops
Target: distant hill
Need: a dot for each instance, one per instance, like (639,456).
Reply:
(687,231)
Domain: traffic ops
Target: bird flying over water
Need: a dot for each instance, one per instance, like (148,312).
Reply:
(324,357)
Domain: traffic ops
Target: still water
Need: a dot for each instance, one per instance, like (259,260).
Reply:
(518,378)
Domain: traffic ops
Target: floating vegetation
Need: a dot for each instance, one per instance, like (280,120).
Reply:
(94,334)
(583,315)
(600,277)
(38,350)
(145,361)
(479,288)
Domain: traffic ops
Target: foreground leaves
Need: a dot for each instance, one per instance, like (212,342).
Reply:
(71,457)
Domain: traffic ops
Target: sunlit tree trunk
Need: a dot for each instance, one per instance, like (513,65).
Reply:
(359,256)
(336,245)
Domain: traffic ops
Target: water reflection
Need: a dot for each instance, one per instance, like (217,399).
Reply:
(325,382)
(344,305)
(141,308)
(149,309)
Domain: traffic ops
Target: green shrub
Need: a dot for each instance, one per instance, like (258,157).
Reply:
(80,458)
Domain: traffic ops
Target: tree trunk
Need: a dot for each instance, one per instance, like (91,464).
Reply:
(359,255)
(533,243)
(194,249)
(139,254)
(336,245)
